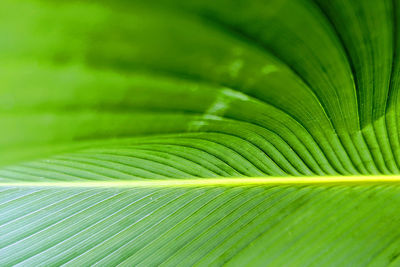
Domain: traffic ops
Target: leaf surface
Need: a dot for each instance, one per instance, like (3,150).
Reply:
(199,133)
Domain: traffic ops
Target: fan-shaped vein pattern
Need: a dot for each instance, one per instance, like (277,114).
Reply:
(195,89)
(298,94)
(214,225)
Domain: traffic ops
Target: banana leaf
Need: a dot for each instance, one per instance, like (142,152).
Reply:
(199,133)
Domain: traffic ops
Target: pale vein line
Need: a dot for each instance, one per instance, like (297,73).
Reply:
(83,230)
(244,181)
(144,207)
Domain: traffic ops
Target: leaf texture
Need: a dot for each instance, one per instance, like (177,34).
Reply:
(120,118)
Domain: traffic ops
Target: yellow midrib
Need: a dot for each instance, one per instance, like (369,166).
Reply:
(217,181)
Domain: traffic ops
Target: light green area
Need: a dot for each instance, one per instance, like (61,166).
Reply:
(157,92)
(258,225)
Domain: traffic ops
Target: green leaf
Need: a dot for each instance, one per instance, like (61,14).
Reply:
(199,132)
